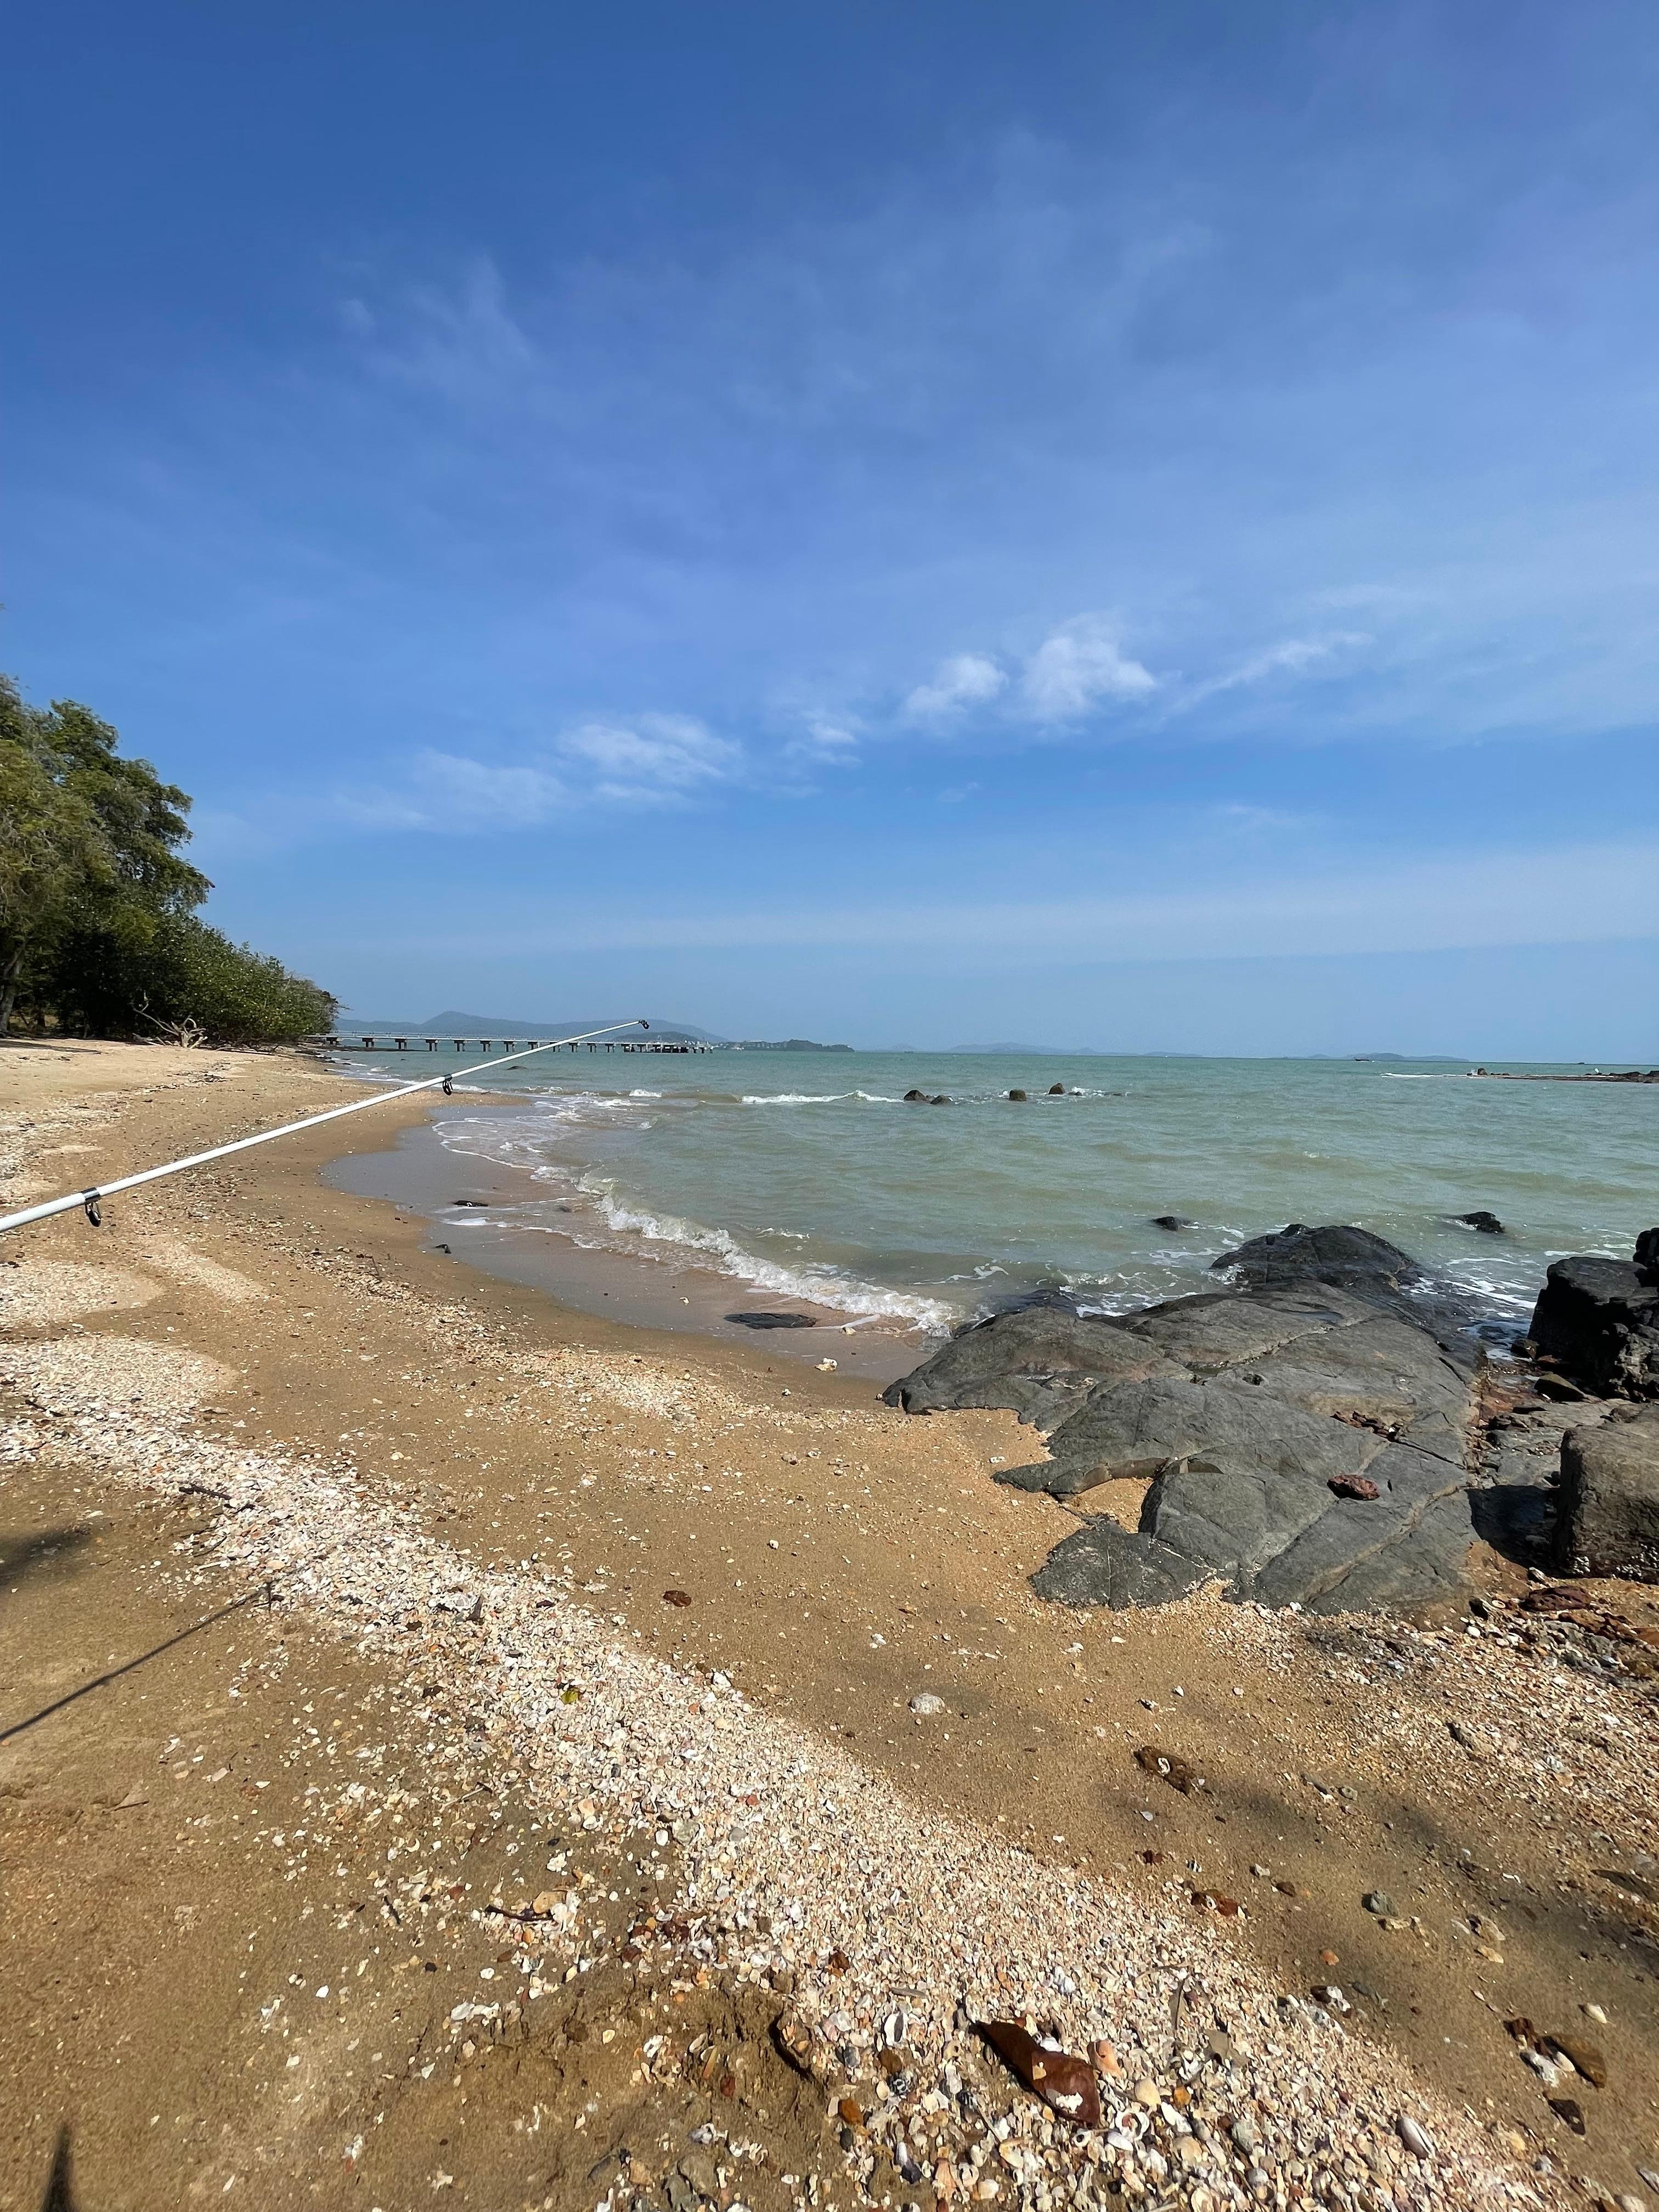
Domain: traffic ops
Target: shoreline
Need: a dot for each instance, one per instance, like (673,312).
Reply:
(839,1558)
(682,1296)
(545,1230)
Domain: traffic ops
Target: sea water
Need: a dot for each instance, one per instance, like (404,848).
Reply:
(807,1176)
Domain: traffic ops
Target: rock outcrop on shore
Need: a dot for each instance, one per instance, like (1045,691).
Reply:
(1259,1416)
(1315,1433)
(1598,1320)
(1608,1516)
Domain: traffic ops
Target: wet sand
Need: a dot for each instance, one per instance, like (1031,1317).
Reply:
(425,1178)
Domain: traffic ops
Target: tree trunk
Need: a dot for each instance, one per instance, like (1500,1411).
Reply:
(9,973)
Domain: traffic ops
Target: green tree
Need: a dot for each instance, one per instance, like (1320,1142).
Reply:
(97,904)
(180,978)
(87,840)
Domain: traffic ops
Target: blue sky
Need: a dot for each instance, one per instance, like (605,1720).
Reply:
(1118,526)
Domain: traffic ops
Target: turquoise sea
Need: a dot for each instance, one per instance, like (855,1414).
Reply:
(805,1176)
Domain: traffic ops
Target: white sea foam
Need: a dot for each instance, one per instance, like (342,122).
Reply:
(631,1227)
(820,1282)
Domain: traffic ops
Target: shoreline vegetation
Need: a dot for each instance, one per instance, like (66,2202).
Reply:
(99,930)
(641,1771)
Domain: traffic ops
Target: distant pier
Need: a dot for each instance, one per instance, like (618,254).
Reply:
(379,1043)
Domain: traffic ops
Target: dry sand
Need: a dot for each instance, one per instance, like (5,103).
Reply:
(445,1853)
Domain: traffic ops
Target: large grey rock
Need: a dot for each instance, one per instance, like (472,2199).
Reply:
(1423,1572)
(1220,1329)
(1600,1319)
(1239,1409)
(1382,1370)
(1039,1362)
(1280,1537)
(1317,1567)
(1607,1521)
(1234,1425)
(1104,1565)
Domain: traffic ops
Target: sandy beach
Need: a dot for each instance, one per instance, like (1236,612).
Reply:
(456,1745)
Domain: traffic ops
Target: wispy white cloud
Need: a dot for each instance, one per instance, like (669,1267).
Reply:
(459,341)
(826,737)
(657,757)
(967,679)
(654,759)
(450,788)
(1295,656)
(1240,817)
(1080,666)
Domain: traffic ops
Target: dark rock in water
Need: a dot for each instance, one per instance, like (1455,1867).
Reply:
(1297,1444)
(1055,1296)
(1607,1520)
(772,1320)
(915,1098)
(1349,1259)
(474,1202)
(1020,1095)
(1170,1221)
(1488,1223)
(940,1100)
(1056,1089)
(1600,1320)
(1367,1267)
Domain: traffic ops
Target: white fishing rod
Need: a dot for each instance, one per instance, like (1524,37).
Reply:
(89,1198)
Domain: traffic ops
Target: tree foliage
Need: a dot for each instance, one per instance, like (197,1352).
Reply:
(98,927)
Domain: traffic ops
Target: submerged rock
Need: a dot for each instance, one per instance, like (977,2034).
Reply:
(772,1320)
(1488,1223)
(1170,1221)
(1348,1258)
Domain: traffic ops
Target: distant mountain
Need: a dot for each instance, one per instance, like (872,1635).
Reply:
(451,1024)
